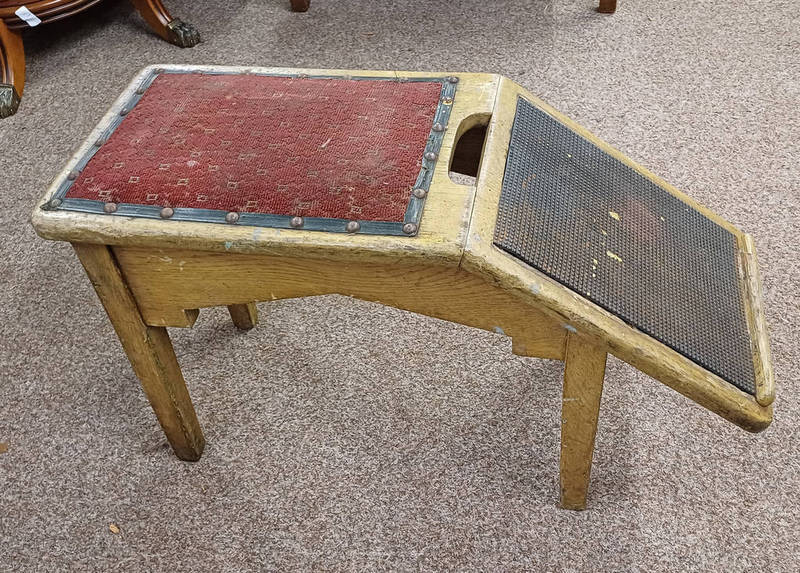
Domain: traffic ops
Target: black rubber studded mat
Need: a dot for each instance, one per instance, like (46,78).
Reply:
(599,227)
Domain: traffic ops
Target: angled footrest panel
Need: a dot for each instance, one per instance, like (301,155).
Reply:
(601,228)
(575,227)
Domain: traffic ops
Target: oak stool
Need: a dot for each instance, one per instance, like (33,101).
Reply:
(207,186)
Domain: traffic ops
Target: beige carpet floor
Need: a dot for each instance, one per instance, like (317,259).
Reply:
(344,435)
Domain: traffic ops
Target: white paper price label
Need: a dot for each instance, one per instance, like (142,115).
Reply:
(27,16)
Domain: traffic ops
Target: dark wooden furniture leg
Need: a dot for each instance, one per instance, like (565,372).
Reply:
(171,29)
(300,5)
(12,70)
(607,6)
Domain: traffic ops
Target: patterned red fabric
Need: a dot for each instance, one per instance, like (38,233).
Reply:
(349,149)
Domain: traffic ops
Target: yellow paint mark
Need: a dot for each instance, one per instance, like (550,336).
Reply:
(614,256)
(568,155)
(613,215)
(113,528)
(528,180)
(604,232)
(594,262)
(662,218)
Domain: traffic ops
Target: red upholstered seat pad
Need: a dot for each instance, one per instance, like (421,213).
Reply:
(338,148)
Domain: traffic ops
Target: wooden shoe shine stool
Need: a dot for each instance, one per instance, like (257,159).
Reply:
(207,186)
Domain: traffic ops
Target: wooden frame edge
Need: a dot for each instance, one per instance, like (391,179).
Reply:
(757,323)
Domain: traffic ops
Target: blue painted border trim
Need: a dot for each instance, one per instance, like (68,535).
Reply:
(412,215)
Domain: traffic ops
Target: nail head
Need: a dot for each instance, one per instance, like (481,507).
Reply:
(438,127)
(353,226)
(420,193)
(409,228)
(296,222)
(430,156)
(54,203)
(167,212)
(110,207)
(232,217)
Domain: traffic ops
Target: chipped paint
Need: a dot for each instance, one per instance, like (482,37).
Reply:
(165,259)
(528,180)
(614,256)
(499,330)
(613,215)
(536,288)
(570,328)
(228,245)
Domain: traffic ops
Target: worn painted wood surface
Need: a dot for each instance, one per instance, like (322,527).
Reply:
(584,370)
(754,311)
(150,352)
(165,281)
(244,316)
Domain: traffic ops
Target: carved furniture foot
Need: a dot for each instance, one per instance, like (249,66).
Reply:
(12,70)
(173,30)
